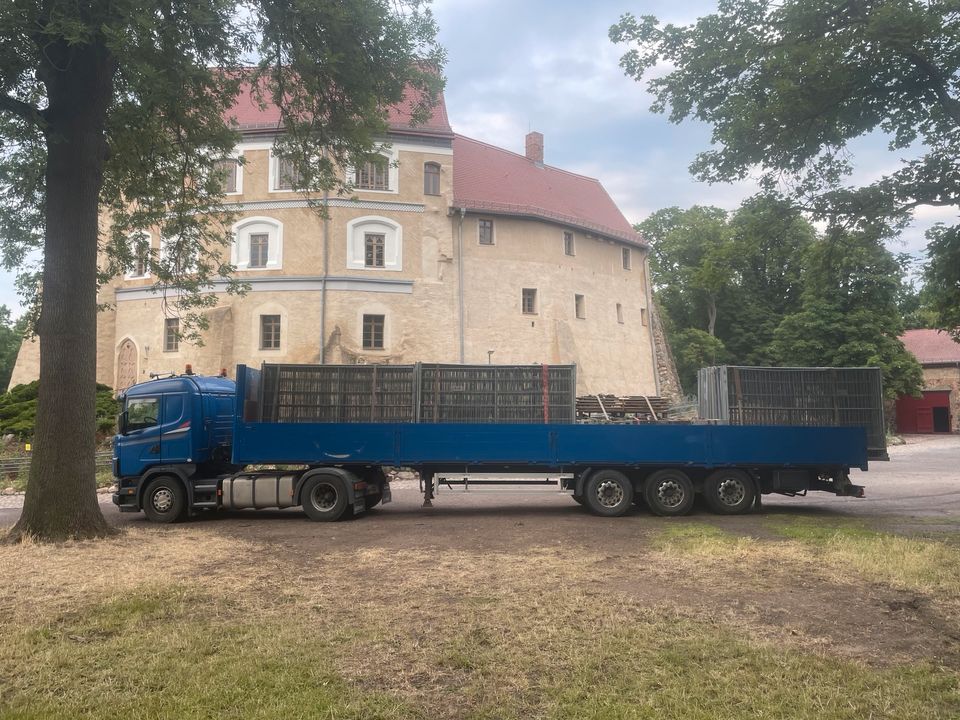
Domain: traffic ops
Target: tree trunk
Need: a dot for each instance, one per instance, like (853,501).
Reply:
(61,500)
(711,315)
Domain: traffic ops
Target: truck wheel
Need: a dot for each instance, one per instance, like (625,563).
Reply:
(609,493)
(669,493)
(324,498)
(729,492)
(164,500)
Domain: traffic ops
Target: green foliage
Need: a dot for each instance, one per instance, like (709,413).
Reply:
(694,349)
(18,410)
(11,334)
(848,314)
(786,86)
(942,276)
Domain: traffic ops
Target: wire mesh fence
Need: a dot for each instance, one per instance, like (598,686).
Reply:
(796,396)
(427,393)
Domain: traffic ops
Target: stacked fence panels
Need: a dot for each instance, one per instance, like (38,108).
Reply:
(427,393)
(796,396)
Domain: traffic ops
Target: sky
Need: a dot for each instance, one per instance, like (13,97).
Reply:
(548,65)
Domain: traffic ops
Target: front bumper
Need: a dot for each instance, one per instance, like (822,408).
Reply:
(126,499)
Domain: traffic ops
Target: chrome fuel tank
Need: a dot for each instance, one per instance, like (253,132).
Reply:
(259,490)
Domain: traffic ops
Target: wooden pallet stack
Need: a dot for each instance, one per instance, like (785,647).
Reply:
(641,408)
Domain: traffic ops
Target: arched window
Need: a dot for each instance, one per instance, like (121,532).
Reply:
(374,243)
(431,178)
(258,244)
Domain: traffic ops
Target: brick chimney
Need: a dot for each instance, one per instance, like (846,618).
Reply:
(535,147)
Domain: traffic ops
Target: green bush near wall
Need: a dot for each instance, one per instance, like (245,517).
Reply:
(18,410)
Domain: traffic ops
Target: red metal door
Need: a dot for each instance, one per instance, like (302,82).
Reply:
(924,419)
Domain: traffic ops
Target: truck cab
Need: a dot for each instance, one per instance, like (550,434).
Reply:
(180,425)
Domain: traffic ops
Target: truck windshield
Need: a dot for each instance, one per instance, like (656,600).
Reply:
(142,413)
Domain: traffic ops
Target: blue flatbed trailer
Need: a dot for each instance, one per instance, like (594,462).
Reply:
(186,443)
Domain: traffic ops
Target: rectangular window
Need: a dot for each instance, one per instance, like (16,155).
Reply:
(625,254)
(373,175)
(643,316)
(373,250)
(373,332)
(269,332)
(171,334)
(431,179)
(528,301)
(579,306)
(287,174)
(227,170)
(568,248)
(486,232)
(141,253)
(259,250)
(620,313)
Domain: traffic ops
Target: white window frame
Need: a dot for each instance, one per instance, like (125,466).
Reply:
(131,274)
(240,248)
(392,233)
(274,173)
(281,332)
(236,155)
(177,339)
(393,173)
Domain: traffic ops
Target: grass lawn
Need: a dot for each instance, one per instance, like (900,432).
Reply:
(186,622)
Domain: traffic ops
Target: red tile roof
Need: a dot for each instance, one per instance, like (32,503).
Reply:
(490,179)
(931,346)
(251,116)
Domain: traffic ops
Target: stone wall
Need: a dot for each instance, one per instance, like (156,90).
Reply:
(941,378)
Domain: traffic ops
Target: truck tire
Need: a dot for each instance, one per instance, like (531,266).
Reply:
(669,493)
(324,498)
(164,499)
(729,491)
(608,493)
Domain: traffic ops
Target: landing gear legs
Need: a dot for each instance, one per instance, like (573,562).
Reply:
(426,487)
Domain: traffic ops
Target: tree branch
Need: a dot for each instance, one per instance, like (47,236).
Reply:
(30,113)
(939,84)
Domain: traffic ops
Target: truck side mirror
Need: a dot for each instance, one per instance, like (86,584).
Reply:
(122,422)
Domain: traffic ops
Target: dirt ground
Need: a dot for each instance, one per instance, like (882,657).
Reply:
(759,583)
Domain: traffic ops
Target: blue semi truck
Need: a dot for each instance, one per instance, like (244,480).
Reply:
(189,443)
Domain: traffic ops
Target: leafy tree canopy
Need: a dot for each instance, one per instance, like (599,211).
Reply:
(123,106)
(787,85)
(11,333)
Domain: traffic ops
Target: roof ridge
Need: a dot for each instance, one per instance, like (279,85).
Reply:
(524,157)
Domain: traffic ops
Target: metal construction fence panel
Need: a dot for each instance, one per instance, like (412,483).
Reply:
(819,397)
(425,393)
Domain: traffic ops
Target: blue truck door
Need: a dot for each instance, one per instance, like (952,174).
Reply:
(177,436)
(141,445)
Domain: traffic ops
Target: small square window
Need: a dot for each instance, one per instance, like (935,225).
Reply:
(269,332)
(259,250)
(431,178)
(485,228)
(579,306)
(171,334)
(568,246)
(643,316)
(373,332)
(625,254)
(620,313)
(227,170)
(528,301)
(373,250)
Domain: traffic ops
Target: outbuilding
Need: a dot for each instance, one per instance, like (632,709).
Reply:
(938,409)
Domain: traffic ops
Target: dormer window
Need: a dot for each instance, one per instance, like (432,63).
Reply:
(373,174)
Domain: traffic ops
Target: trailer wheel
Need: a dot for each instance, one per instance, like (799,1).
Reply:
(164,499)
(669,493)
(324,498)
(729,492)
(609,493)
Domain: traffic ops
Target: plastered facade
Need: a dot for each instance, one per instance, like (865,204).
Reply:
(420,295)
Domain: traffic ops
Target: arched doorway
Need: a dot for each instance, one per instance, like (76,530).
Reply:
(126,365)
